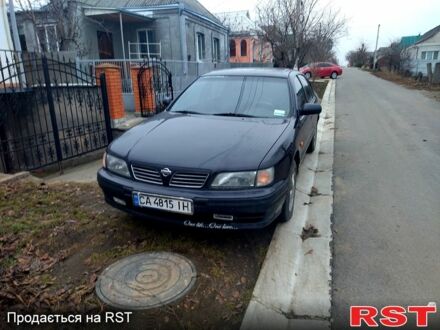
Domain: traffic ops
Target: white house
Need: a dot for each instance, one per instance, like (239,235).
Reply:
(425,50)
(5,35)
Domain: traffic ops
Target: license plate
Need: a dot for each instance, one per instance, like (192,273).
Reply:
(166,203)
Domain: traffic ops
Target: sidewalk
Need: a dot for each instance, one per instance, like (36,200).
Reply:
(81,173)
(293,288)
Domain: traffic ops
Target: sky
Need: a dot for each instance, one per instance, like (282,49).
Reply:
(397,18)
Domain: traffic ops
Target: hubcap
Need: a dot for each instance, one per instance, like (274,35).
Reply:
(292,193)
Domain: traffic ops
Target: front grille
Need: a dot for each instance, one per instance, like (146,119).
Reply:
(188,180)
(146,175)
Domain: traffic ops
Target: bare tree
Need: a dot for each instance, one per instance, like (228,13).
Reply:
(359,57)
(299,30)
(63,14)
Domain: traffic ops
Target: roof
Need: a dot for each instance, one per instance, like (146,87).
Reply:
(258,72)
(237,21)
(429,34)
(407,41)
(191,5)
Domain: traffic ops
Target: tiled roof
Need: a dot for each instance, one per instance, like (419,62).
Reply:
(237,21)
(429,34)
(192,5)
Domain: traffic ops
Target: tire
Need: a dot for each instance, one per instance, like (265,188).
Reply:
(308,75)
(312,144)
(334,75)
(289,204)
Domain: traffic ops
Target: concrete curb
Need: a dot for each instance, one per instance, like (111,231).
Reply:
(14,177)
(293,287)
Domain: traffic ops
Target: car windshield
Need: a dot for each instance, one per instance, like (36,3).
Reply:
(263,97)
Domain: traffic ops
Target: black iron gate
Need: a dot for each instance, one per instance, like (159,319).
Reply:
(50,110)
(155,87)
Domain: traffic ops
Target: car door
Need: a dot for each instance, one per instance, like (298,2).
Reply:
(310,121)
(301,121)
(326,69)
(321,69)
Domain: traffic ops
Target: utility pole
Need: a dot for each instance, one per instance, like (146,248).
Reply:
(375,49)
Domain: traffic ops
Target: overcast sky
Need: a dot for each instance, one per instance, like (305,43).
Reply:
(397,18)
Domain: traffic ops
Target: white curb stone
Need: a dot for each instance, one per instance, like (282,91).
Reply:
(293,287)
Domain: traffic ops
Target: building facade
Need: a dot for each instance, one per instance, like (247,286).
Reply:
(246,44)
(180,30)
(425,50)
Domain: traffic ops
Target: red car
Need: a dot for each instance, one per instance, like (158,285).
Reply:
(321,70)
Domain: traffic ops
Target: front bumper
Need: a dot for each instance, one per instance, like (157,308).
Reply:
(252,208)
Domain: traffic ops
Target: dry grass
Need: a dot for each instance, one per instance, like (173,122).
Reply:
(430,90)
(56,239)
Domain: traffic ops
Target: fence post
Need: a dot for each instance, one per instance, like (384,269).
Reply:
(53,117)
(114,90)
(108,121)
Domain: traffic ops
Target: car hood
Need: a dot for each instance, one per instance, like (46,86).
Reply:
(202,142)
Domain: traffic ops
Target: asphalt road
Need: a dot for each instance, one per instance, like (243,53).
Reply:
(387,197)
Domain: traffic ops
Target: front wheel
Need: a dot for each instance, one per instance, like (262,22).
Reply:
(334,75)
(287,211)
(308,75)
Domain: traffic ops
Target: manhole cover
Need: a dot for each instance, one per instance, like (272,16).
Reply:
(146,280)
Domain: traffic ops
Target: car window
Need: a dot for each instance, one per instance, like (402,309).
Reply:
(307,88)
(300,93)
(211,95)
(264,97)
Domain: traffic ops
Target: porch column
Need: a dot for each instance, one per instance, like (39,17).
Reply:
(114,91)
(122,34)
(183,47)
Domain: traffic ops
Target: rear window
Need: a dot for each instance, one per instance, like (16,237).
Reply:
(264,97)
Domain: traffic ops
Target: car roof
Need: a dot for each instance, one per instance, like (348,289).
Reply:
(257,72)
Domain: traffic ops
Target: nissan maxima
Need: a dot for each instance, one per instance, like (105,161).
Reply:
(223,155)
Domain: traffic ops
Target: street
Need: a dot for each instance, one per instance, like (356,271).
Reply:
(386,218)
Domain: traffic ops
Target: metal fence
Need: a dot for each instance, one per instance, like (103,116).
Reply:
(50,110)
(183,72)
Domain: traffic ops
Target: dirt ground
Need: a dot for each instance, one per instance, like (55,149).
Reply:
(56,239)
(319,87)
(430,90)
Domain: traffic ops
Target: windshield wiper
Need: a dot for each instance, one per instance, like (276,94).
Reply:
(233,114)
(189,112)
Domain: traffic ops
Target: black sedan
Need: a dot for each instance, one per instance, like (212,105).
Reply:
(224,154)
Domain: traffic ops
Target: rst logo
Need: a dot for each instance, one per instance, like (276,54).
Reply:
(390,316)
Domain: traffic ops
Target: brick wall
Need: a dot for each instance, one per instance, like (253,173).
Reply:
(114,90)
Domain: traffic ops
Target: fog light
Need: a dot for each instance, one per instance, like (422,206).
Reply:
(223,217)
(119,201)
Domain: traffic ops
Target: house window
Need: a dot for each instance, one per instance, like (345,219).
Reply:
(147,46)
(243,48)
(216,50)
(232,50)
(105,45)
(200,46)
(429,55)
(47,38)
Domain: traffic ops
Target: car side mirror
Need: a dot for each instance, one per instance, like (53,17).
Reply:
(310,109)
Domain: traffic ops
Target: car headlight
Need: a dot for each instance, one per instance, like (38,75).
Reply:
(117,165)
(244,179)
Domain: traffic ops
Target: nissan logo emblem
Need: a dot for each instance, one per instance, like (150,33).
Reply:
(165,172)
